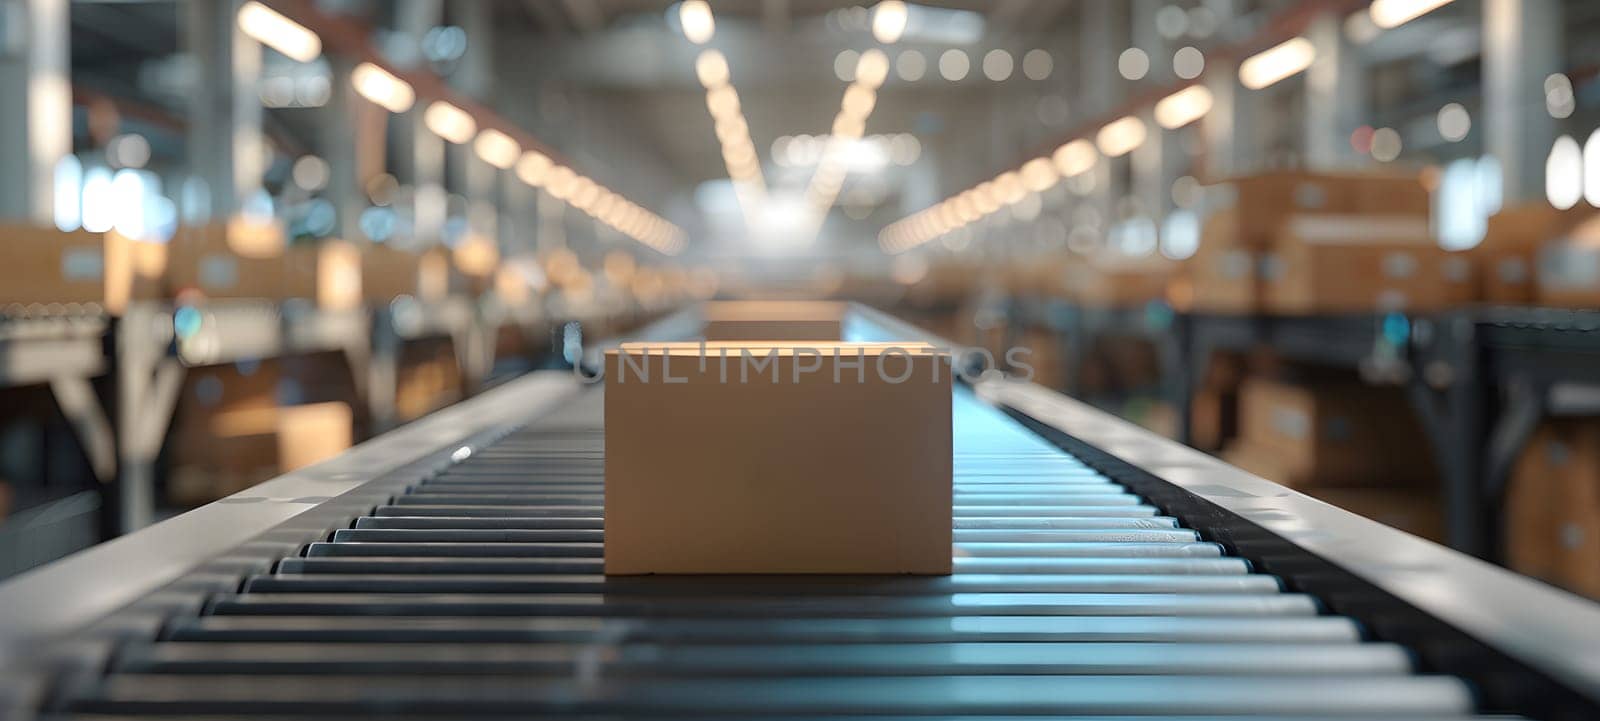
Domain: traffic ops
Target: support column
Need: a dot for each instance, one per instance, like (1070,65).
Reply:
(1229,129)
(226,147)
(421,153)
(347,135)
(1336,96)
(1521,47)
(474,178)
(36,117)
(1156,162)
(1103,37)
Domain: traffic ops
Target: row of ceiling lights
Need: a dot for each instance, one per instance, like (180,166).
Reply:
(722,101)
(1119,137)
(496,147)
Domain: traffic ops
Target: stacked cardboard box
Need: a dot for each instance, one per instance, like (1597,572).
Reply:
(1569,267)
(387,273)
(1116,280)
(1302,243)
(1553,506)
(250,445)
(240,259)
(49,266)
(1352,445)
(430,382)
(1511,244)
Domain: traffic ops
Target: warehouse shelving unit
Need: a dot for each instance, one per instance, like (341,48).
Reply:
(1524,365)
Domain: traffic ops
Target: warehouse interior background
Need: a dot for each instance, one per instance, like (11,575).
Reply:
(1352,247)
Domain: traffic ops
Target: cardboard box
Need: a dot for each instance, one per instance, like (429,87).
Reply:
(1338,434)
(388,273)
(774,320)
(1553,506)
(1114,280)
(1569,268)
(46,265)
(777,468)
(1331,264)
(1243,219)
(1511,245)
(238,259)
(246,446)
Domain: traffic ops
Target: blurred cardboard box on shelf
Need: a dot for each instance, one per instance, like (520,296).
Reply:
(1511,245)
(243,447)
(778,458)
(239,258)
(1330,264)
(1322,434)
(246,259)
(1243,220)
(1553,506)
(46,265)
(1115,280)
(1569,268)
(780,320)
(388,273)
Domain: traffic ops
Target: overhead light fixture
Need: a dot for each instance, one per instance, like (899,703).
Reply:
(449,122)
(1121,136)
(1183,107)
(1388,14)
(382,87)
(697,21)
(711,68)
(532,168)
(497,148)
(872,69)
(1276,63)
(889,21)
(1074,158)
(1039,175)
(271,28)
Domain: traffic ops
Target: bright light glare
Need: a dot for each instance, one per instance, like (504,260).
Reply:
(381,87)
(889,21)
(497,148)
(1183,107)
(1276,63)
(271,28)
(1563,174)
(698,24)
(1394,13)
(449,122)
(533,166)
(1121,136)
(1074,158)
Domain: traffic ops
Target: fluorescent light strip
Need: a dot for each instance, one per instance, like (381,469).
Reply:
(382,87)
(1277,63)
(1389,14)
(271,28)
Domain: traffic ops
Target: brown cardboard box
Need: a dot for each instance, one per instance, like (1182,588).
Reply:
(779,469)
(229,260)
(1334,433)
(755,320)
(1244,217)
(1045,358)
(45,265)
(1569,268)
(1118,281)
(1512,242)
(387,273)
(1553,506)
(1329,264)
(246,446)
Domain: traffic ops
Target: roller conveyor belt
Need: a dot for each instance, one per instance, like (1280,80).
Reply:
(475,589)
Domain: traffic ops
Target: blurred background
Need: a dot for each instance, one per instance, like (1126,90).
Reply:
(1347,245)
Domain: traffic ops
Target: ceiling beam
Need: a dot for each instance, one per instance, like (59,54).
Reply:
(586,15)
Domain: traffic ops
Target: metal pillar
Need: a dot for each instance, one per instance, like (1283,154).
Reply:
(226,146)
(421,153)
(1521,47)
(1335,96)
(36,117)
(348,122)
